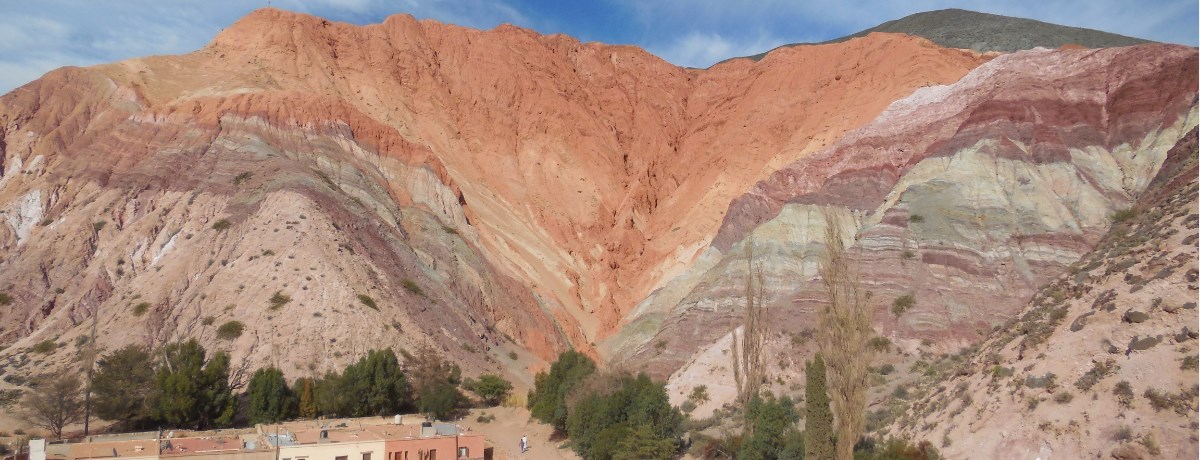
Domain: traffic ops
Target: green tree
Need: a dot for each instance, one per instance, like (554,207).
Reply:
(636,411)
(55,403)
(844,336)
(492,388)
(818,419)
(439,401)
(375,385)
(123,386)
(548,399)
(331,399)
(193,392)
(774,422)
(270,399)
(308,398)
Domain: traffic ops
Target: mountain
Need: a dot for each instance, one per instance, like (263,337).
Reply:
(984,32)
(1102,360)
(402,183)
(964,198)
(300,191)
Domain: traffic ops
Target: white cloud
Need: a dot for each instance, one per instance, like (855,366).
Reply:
(700,50)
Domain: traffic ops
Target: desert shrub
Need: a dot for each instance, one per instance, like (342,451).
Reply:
(1045,381)
(512,355)
(230,330)
(208,320)
(879,343)
(895,449)
(1124,434)
(1189,363)
(908,255)
(699,394)
(141,308)
(44,347)
(99,225)
(278,300)
(1063,397)
(902,304)
(886,369)
(1093,376)
(221,225)
(916,218)
(1123,215)
(5,299)
(687,406)
(368,301)
(243,177)
(1124,394)
(411,286)
(485,417)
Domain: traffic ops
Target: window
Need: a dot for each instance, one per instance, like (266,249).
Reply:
(432,454)
(340,457)
(462,452)
(366,456)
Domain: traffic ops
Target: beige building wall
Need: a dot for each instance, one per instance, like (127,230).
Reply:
(346,450)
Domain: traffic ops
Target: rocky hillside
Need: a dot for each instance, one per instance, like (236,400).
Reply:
(983,32)
(960,201)
(1103,360)
(323,188)
(300,191)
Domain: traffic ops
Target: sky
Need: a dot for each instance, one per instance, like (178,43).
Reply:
(36,37)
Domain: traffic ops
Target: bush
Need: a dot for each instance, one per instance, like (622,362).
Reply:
(208,320)
(773,428)
(879,343)
(243,177)
(916,218)
(1189,363)
(687,407)
(902,304)
(230,330)
(5,299)
(368,301)
(1124,393)
(141,308)
(547,400)
(98,225)
(45,347)
(492,388)
(412,287)
(632,420)
(1063,397)
(278,300)
(1123,215)
(221,225)
(699,394)
(512,355)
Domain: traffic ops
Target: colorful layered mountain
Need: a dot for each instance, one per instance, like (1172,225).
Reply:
(300,191)
(1103,359)
(324,188)
(959,201)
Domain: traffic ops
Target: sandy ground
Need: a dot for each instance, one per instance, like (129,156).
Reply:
(504,434)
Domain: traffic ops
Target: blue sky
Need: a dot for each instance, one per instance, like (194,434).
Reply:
(36,37)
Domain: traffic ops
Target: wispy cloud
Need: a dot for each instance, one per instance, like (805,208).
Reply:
(36,37)
(698,49)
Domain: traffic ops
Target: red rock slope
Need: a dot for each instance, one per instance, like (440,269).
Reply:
(474,184)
